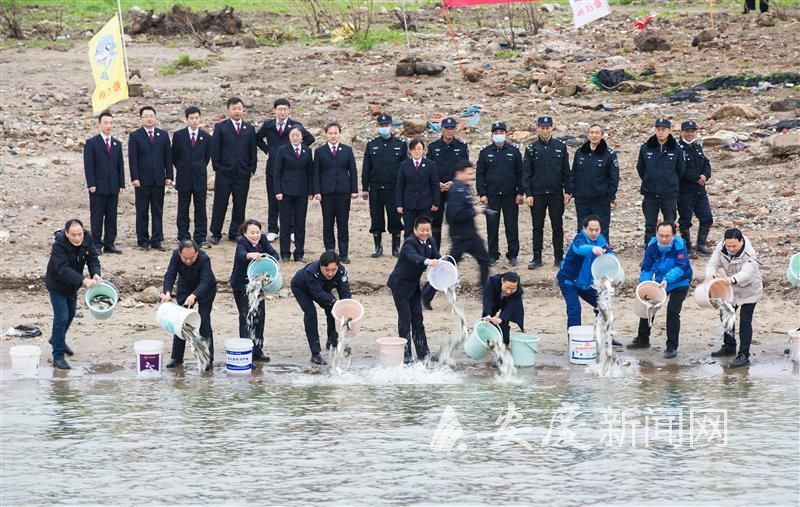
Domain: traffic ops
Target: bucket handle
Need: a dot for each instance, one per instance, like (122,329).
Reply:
(531,346)
(445,257)
(108,282)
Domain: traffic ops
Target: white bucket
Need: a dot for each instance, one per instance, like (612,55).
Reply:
(239,356)
(582,345)
(715,289)
(444,275)
(172,317)
(390,351)
(149,358)
(349,309)
(608,266)
(25,360)
(648,291)
(794,345)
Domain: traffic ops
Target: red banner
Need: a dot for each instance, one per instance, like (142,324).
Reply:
(467,3)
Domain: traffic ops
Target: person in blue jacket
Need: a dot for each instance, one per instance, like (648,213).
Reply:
(502,303)
(666,261)
(250,246)
(417,253)
(575,275)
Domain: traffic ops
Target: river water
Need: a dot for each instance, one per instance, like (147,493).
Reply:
(689,435)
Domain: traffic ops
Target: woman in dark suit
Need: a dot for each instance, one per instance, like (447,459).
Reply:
(250,245)
(292,182)
(417,189)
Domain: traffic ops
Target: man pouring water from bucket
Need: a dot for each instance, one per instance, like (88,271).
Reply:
(72,251)
(502,303)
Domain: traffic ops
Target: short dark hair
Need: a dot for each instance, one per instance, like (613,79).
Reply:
(70,223)
(191,110)
(146,108)
(734,233)
(422,219)
(328,257)
(671,225)
(281,102)
(510,276)
(414,142)
(232,101)
(462,165)
(333,124)
(188,243)
(248,223)
(591,218)
(593,125)
(104,113)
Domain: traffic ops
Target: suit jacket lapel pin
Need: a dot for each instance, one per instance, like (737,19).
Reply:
(158,133)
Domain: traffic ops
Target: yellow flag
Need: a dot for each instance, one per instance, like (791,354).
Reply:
(108,66)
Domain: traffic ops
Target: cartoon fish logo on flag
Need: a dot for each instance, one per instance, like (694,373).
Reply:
(105,53)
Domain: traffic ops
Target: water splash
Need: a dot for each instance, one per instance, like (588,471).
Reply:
(413,374)
(449,347)
(727,314)
(607,364)
(199,346)
(504,360)
(341,353)
(255,294)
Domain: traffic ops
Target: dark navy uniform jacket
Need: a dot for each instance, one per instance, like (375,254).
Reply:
(270,140)
(65,267)
(404,278)
(499,170)
(446,155)
(510,308)
(150,163)
(661,167)
(233,154)
(310,280)
(382,159)
(292,174)
(595,173)
(697,164)
(105,171)
(546,168)
(335,175)
(417,188)
(191,173)
(460,212)
(238,279)
(197,279)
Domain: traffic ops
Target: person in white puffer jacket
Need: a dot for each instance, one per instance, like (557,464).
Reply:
(737,258)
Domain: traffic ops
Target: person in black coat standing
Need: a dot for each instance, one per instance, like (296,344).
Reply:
(191,152)
(445,151)
(417,189)
(594,179)
(105,179)
(273,134)
(335,183)
(292,185)
(692,196)
(150,164)
(197,285)
(502,303)
(417,253)
(72,251)
(251,246)
(233,157)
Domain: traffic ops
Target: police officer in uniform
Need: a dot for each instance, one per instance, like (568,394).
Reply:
(500,189)
(547,188)
(382,159)
(692,196)
(445,151)
(661,165)
(595,179)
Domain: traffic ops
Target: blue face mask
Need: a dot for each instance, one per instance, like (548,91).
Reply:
(499,138)
(663,249)
(384,131)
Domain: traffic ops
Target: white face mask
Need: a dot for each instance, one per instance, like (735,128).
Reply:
(499,138)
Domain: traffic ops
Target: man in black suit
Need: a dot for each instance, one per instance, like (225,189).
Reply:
(191,152)
(105,179)
(293,189)
(273,134)
(150,164)
(233,158)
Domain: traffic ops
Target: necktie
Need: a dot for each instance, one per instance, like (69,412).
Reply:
(297,152)
(333,150)
(150,133)
(193,141)
(108,146)
(416,164)
(280,130)
(238,128)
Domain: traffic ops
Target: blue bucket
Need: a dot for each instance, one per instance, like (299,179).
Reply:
(266,264)
(104,288)
(476,345)
(524,349)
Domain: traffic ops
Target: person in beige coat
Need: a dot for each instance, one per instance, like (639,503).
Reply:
(737,258)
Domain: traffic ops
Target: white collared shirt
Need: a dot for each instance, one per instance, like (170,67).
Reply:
(195,132)
(333,147)
(236,123)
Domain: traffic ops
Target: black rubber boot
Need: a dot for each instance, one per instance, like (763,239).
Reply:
(537,261)
(686,234)
(378,246)
(702,237)
(395,245)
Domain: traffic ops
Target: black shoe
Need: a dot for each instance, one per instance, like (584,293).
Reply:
(396,245)
(204,244)
(535,263)
(215,240)
(210,366)
(260,356)
(512,262)
(378,246)
(68,351)
(408,358)
(426,303)
(61,364)
(345,260)
(159,247)
(492,262)
(144,248)
(741,360)
(112,249)
(318,359)
(615,343)
(724,351)
(174,363)
(300,259)
(233,237)
(639,344)
(670,353)
(787,351)
(285,258)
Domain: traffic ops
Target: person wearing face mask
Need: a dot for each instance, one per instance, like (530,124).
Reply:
(548,189)
(499,186)
(594,179)
(502,303)
(252,244)
(382,158)
(445,151)
(292,178)
(666,261)
(335,182)
(661,165)
(314,283)
(692,196)
(417,189)
(72,251)
(737,259)
(417,253)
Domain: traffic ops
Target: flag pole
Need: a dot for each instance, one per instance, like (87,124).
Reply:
(453,37)
(122,37)
(405,25)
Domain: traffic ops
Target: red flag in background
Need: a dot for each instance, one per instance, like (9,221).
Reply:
(467,3)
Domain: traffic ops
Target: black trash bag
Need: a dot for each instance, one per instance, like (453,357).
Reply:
(26,331)
(610,79)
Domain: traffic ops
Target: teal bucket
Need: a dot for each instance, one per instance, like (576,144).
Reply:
(266,264)
(524,348)
(793,271)
(103,288)
(476,345)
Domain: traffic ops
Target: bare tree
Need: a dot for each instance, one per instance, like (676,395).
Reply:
(9,20)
